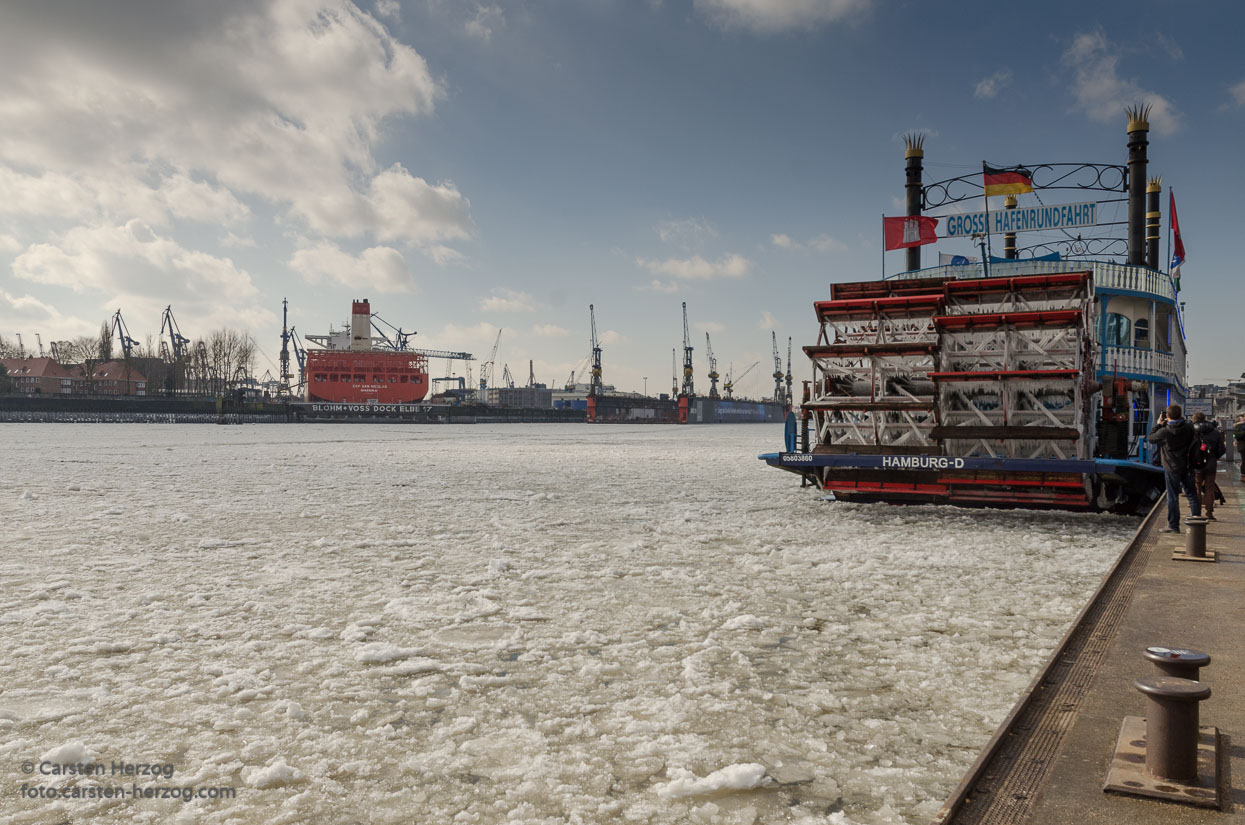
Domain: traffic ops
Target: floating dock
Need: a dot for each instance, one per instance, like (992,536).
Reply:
(1048,762)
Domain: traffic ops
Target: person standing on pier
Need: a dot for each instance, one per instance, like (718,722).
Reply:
(1207,450)
(1173,436)
(1238,434)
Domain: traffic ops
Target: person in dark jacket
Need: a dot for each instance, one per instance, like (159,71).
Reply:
(1173,436)
(1204,477)
(1238,434)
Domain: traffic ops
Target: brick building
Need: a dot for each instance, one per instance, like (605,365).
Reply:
(43,376)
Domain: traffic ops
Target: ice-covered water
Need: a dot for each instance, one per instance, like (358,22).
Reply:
(526,624)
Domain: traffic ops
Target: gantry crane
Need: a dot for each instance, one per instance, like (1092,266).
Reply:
(713,367)
(594,389)
(778,373)
(688,387)
(731,380)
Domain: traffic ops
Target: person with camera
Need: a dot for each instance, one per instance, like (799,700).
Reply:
(1173,436)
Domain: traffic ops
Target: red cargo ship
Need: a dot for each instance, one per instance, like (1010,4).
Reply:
(351,372)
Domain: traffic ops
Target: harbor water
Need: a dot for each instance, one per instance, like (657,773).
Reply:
(511,623)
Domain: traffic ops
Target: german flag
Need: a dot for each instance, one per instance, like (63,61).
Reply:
(1013,180)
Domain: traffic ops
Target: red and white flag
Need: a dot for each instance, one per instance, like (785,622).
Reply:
(912,230)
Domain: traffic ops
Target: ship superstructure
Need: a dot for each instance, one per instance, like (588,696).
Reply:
(1013,382)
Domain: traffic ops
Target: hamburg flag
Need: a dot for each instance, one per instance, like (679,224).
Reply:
(1177,244)
(1012,180)
(914,230)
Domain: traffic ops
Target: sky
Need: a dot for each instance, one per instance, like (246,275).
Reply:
(476,166)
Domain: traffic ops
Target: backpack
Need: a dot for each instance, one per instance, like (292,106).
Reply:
(1199,454)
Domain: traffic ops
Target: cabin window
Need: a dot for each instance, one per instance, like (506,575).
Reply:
(320,376)
(333,377)
(359,377)
(1141,334)
(1116,333)
(403,379)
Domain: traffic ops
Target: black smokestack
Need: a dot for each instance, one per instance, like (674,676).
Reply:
(914,155)
(1153,220)
(1138,128)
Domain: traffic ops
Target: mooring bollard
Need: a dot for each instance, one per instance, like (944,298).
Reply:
(1195,543)
(1180,662)
(1172,726)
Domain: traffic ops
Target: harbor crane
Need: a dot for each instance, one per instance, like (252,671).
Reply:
(486,369)
(674,375)
(122,333)
(731,380)
(507,380)
(175,348)
(713,368)
(21,349)
(790,397)
(688,387)
(39,341)
(594,389)
(778,373)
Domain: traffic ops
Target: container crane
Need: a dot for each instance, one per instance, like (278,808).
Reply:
(778,373)
(688,388)
(594,389)
(731,380)
(713,368)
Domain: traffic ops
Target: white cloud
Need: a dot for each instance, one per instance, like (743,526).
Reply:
(611,337)
(768,322)
(989,87)
(388,9)
(1237,93)
(1099,91)
(663,287)
(9,243)
(821,243)
(709,326)
(507,300)
(549,331)
(825,243)
(281,101)
(769,16)
(697,268)
(485,21)
(134,267)
(381,268)
(686,231)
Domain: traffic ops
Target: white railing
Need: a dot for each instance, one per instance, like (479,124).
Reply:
(1107,275)
(1165,365)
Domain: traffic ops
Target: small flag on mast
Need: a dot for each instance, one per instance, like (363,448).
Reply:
(1011,180)
(1177,244)
(913,230)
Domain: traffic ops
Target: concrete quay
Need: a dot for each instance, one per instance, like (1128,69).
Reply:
(1047,763)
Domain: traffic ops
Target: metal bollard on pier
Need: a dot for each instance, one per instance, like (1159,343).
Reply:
(1179,662)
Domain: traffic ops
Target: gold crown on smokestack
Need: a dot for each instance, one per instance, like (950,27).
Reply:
(1138,117)
(1155,185)
(914,145)
(1011,202)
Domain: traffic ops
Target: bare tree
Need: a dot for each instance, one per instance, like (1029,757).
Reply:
(105,342)
(8,349)
(230,358)
(86,351)
(6,383)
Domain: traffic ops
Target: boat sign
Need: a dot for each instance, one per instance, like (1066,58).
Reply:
(1023,219)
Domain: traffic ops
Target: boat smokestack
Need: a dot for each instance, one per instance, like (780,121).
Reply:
(1153,220)
(914,159)
(1138,129)
(361,325)
(1009,238)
